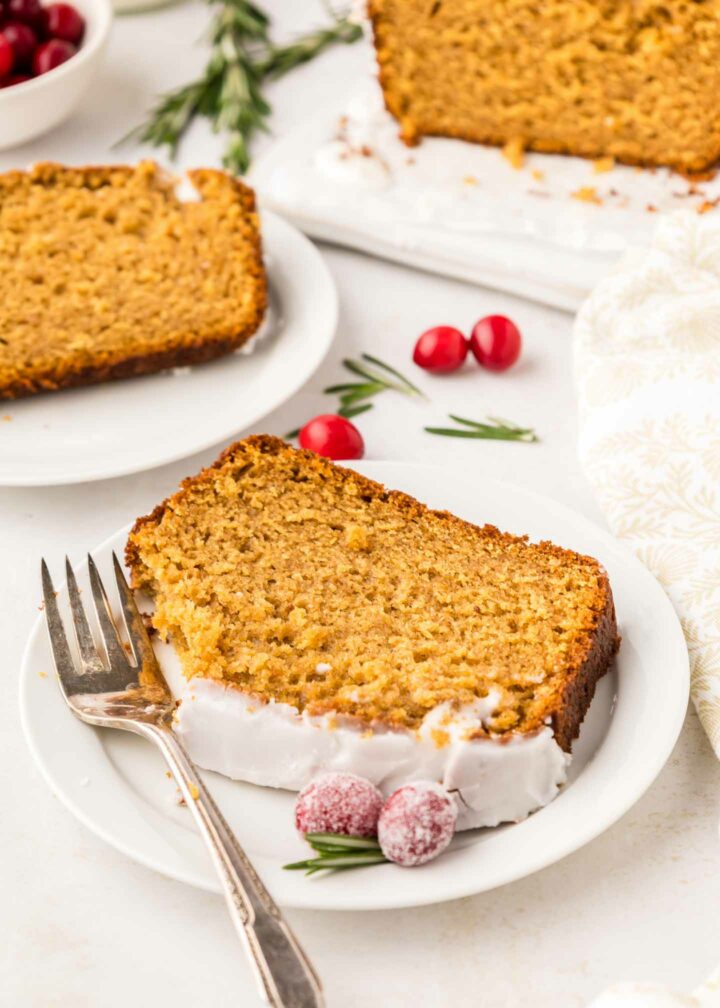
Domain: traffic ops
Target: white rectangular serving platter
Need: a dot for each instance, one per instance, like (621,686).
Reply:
(547,231)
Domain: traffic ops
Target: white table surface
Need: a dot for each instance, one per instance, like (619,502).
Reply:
(84,927)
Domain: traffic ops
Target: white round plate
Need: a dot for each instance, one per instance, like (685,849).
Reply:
(121,427)
(116,784)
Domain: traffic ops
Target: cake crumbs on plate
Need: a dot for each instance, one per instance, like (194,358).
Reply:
(538,175)
(43,675)
(603,165)
(470,180)
(6,418)
(587,194)
(707,205)
(514,152)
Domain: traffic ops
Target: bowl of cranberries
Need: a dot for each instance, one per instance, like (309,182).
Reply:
(49,53)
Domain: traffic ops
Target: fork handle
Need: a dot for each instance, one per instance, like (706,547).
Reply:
(285,976)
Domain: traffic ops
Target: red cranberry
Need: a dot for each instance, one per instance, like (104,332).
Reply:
(332,436)
(14,79)
(440,350)
(29,12)
(64,22)
(496,342)
(417,823)
(23,41)
(6,56)
(338,803)
(50,55)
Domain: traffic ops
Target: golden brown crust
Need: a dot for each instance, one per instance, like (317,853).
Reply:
(583,666)
(181,348)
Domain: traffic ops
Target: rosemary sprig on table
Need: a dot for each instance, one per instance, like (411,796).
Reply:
(377,377)
(338,851)
(229,93)
(495,430)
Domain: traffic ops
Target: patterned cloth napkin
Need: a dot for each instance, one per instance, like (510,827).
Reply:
(647,362)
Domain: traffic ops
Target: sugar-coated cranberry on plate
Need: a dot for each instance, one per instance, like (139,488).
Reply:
(332,436)
(441,349)
(63,21)
(416,823)
(496,342)
(7,57)
(23,41)
(337,802)
(51,54)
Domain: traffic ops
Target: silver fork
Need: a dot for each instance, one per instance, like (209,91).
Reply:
(112,691)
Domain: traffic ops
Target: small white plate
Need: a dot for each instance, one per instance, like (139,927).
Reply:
(116,783)
(122,427)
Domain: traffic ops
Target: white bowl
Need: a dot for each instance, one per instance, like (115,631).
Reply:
(32,108)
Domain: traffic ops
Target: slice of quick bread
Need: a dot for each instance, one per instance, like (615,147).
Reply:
(300,582)
(107,273)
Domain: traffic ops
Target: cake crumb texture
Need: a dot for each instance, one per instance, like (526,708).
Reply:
(302,582)
(635,80)
(107,273)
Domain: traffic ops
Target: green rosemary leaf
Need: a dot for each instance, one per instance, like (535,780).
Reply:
(281,60)
(352,411)
(229,93)
(495,430)
(452,432)
(362,392)
(510,425)
(341,840)
(486,432)
(468,423)
(391,370)
(346,387)
(338,861)
(291,435)
(358,369)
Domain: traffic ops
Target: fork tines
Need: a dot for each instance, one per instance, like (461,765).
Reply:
(97,673)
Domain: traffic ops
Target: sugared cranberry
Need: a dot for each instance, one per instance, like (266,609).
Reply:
(332,436)
(51,54)
(23,41)
(29,12)
(14,79)
(496,342)
(6,56)
(441,349)
(416,823)
(64,22)
(338,803)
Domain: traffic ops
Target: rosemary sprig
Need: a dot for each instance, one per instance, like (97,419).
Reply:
(377,377)
(496,430)
(337,851)
(229,92)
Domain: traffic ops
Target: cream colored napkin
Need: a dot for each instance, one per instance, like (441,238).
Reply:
(647,345)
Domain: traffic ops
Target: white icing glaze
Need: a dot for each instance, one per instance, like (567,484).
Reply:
(445,194)
(272,744)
